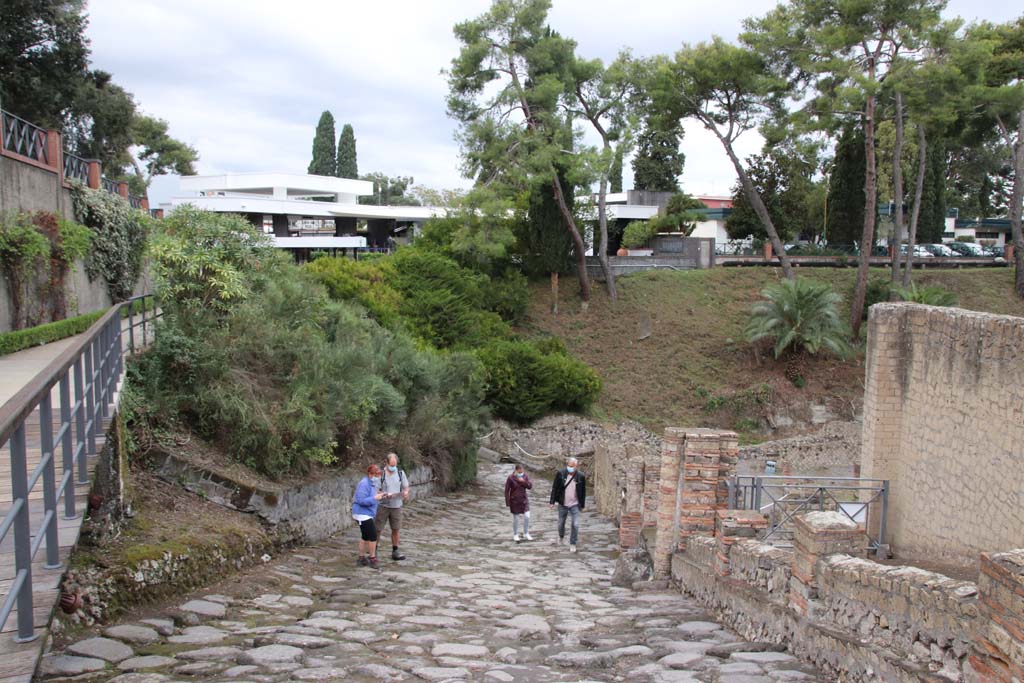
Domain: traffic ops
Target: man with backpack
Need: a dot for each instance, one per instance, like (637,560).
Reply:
(395,487)
(569,493)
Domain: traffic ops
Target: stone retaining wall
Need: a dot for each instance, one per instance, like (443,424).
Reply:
(302,514)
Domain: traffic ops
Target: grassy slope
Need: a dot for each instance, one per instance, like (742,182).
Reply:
(695,369)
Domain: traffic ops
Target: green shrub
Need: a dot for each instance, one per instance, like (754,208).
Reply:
(965,238)
(878,292)
(119,235)
(365,282)
(523,383)
(508,295)
(800,316)
(22,250)
(44,334)
(638,233)
(932,295)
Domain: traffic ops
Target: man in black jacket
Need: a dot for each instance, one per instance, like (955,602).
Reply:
(569,492)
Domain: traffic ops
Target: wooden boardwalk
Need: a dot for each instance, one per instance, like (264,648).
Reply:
(18,661)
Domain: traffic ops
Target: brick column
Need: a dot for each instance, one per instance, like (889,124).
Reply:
(95,175)
(122,189)
(701,472)
(55,151)
(998,654)
(818,535)
(767,251)
(145,203)
(669,487)
(631,521)
(732,526)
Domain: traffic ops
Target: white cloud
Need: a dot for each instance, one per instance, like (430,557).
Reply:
(244,81)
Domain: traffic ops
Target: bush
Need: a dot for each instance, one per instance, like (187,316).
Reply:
(878,292)
(965,238)
(800,316)
(524,383)
(508,295)
(638,233)
(44,334)
(365,282)
(119,235)
(932,295)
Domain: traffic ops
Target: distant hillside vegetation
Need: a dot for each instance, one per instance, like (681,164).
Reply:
(695,369)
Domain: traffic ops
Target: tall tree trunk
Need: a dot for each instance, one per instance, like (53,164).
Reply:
(922,155)
(1016,200)
(759,208)
(602,221)
(870,210)
(897,190)
(577,240)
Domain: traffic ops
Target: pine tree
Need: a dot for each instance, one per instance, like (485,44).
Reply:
(846,189)
(615,177)
(347,166)
(324,161)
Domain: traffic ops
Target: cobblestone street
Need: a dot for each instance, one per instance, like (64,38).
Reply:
(467,604)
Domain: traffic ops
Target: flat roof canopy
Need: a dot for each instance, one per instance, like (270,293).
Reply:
(263,183)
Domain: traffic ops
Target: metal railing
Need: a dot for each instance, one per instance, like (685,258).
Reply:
(24,138)
(75,167)
(109,185)
(86,375)
(135,201)
(782,498)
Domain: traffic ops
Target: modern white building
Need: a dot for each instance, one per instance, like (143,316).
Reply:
(641,205)
(303,211)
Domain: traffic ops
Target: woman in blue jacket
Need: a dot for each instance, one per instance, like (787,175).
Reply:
(364,509)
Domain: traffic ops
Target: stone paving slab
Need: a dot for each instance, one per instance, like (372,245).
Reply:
(468,604)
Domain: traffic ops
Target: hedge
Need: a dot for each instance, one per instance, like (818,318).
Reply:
(44,334)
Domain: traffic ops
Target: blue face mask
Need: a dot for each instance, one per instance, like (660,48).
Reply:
(520,474)
(392,468)
(570,470)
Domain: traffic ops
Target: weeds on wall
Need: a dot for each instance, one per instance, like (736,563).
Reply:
(36,253)
(118,241)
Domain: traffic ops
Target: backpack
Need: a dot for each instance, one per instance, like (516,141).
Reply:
(403,481)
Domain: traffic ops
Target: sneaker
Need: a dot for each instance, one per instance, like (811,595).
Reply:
(361,562)
(560,540)
(529,537)
(572,548)
(395,555)
(515,537)
(374,563)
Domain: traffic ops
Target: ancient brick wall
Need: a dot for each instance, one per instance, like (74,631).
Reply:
(944,422)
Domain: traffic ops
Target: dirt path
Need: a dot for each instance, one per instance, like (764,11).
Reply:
(467,604)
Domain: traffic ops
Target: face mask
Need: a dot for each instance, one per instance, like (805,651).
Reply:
(570,470)
(392,468)
(520,474)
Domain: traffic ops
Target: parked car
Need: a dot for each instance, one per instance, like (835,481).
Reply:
(938,249)
(919,251)
(994,250)
(966,248)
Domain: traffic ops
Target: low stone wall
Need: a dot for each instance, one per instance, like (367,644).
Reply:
(302,514)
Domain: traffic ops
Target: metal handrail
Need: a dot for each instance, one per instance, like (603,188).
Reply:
(95,363)
(109,185)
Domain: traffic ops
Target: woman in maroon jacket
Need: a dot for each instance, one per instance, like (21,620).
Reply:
(518,501)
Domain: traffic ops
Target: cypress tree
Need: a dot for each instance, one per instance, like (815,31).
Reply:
(932,221)
(324,161)
(347,166)
(615,176)
(658,162)
(845,221)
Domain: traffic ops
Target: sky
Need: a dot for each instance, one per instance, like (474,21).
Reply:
(245,81)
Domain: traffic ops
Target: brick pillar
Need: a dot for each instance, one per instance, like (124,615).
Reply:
(145,203)
(998,655)
(669,489)
(818,535)
(1008,250)
(732,526)
(767,251)
(631,521)
(95,175)
(55,151)
(158,213)
(728,456)
(122,189)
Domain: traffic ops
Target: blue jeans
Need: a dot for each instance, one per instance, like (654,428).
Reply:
(562,513)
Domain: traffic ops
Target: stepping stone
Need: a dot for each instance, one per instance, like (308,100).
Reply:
(139,678)
(147,662)
(680,660)
(132,634)
(320,674)
(631,651)
(204,608)
(164,627)
(199,635)
(328,624)
(308,642)
(581,659)
(459,650)
(67,665)
(297,601)
(431,620)
(762,657)
(378,672)
(200,669)
(102,648)
(270,654)
(210,654)
(699,628)
(441,673)
(529,624)
(499,676)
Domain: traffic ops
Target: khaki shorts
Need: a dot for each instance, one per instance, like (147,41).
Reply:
(392,516)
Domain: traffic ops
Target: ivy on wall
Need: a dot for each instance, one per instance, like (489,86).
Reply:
(118,239)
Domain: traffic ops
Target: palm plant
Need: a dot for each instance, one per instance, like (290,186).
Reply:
(800,315)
